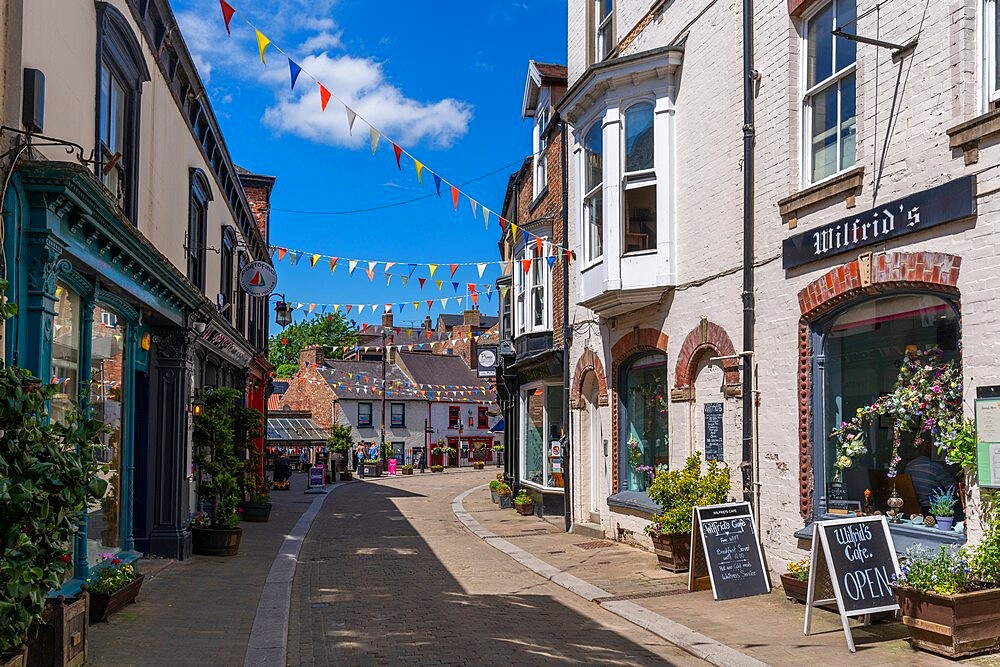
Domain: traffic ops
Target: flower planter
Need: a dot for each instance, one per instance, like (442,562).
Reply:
(407,471)
(15,658)
(256,512)
(371,470)
(102,605)
(673,551)
(952,625)
(525,509)
(61,639)
(345,475)
(795,589)
(494,496)
(478,465)
(945,522)
(216,541)
(506,502)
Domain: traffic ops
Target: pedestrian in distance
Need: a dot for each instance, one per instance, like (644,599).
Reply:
(420,460)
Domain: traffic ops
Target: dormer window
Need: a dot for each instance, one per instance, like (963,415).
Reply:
(542,117)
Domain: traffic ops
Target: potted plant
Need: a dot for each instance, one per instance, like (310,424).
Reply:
(217,533)
(494,485)
(407,469)
(371,468)
(257,489)
(505,495)
(437,468)
(677,492)
(112,585)
(942,506)
(524,504)
(795,580)
(443,449)
(341,444)
(48,479)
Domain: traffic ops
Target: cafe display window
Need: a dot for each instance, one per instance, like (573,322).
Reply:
(866,350)
(65,352)
(644,437)
(541,432)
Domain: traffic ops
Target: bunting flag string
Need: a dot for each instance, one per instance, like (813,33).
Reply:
(379,308)
(263,42)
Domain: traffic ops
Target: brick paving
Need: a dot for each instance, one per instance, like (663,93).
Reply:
(388,576)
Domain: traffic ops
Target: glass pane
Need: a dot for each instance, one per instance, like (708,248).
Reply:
(824,133)
(646,401)
(106,391)
(819,47)
(117,120)
(553,416)
(594,212)
(534,434)
(640,223)
(593,152)
(846,49)
(639,137)
(538,306)
(848,121)
(105,103)
(65,352)
(996,48)
(864,352)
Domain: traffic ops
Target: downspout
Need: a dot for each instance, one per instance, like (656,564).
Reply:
(749,78)
(567,459)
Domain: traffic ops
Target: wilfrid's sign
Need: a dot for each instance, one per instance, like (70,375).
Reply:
(945,203)
(713,432)
(730,555)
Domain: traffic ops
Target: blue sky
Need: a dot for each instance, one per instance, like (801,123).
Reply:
(446,85)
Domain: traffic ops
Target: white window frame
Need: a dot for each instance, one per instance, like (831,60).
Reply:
(587,233)
(634,180)
(402,415)
(371,416)
(990,91)
(523,432)
(808,93)
(538,278)
(543,115)
(604,31)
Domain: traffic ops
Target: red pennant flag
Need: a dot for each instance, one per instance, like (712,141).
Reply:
(503,223)
(281,253)
(421,281)
(227,14)
(475,299)
(398,151)
(364,327)
(526,263)
(430,303)
(348,309)
(284,341)
(454,268)
(324,96)
(472,288)
(454,196)
(538,244)
(570,256)
(429,334)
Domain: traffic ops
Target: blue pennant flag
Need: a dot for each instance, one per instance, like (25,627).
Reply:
(293,71)
(322,311)
(455,285)
(489,296)
(551,259)
(437,184)
(412,267)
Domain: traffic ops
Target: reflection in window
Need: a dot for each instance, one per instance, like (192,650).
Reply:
(65,352)
(864,348)
(645,438)
(640,179)
(593,198)
(106,392)
(542,410)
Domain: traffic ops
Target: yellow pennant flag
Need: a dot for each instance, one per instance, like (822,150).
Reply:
(513,232)
(313,260)
(336,307)
(374,135)
(262,43)
(416,306)
(420,168)
(312,306)
(439,283)
(432,268)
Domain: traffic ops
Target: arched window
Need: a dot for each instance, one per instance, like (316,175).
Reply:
(864,350)
(639,179)
(197,234)
(121,71)
(644,434)
(593,193)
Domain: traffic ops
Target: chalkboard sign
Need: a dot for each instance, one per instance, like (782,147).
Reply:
(713,431)
(315,476)
(854,560)
(730,554)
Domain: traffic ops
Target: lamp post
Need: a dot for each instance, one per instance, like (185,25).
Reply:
(381,450)
(282,311)
(458,454)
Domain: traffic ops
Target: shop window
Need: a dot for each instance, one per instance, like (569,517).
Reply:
(65,353)
(483,417)
(197,233)
(454,416)
(107,359)
(863,351)
(829,99)
(644,438)
(364,415)
(541,454)
(506,323)
(397,414)
(120,73)
(593,193)
(640,180)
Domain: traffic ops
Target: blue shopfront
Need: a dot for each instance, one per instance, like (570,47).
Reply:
(104,315)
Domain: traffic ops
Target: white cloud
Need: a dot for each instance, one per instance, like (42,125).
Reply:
(321,41)
(362,85)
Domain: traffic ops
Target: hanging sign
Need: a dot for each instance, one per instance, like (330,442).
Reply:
(486,361)
(730,554)
(258,278)
(855,561)
(954,200)
(713,431)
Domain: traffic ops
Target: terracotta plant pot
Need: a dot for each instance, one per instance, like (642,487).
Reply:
(216,541)
(673,551)
(256,512)
(952,625)
(526,509)
(102,605)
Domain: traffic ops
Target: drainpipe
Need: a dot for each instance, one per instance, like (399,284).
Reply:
(567,459)
(749,78)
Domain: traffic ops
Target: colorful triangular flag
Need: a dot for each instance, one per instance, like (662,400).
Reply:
(437,184)
(293,71)
(227,14)
(419,167)
(324,96)
(351,117)
(374,137)
(432,268)
(454,197)
(481,267)
(262,43)
(399,152)
(313,260)
(454,268)
(351,265)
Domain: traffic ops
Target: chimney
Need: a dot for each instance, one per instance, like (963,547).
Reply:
(387,321)
(311,355)
(428,324)
(471,318)
(258,190)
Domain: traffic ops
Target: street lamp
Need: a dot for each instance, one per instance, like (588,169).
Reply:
(381,451)
(282,312)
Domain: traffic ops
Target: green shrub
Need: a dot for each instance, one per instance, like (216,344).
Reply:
(986,557)
(677,492)
(215,456)
(523,498)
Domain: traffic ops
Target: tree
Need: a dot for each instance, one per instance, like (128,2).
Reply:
(327,330)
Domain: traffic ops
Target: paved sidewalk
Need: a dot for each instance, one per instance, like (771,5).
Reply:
(628,581)
(199,611)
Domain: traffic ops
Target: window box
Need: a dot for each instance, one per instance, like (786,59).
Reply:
(952,625)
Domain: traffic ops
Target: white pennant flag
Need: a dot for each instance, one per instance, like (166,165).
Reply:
(388,279)
(361,308)
(486,217)
(444,302)
(404,280)
(372,265)
(472,202)
(351,265)
(350,119)
(482,267)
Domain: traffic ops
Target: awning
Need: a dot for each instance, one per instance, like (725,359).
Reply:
(498,427)
(295,430)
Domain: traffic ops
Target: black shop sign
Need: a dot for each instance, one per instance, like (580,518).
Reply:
(726,551)
(714,449)
(954,200)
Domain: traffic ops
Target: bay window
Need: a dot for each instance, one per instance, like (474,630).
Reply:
(593,193)
(639,179)
(829,100)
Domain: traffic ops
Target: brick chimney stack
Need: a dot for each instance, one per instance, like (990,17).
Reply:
(387,321)
(258,189)
(428,324)
(312,355)
(471,318)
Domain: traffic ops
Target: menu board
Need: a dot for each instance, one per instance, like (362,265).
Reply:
(732,555)
(713,432)
(316,476)
(988,442)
